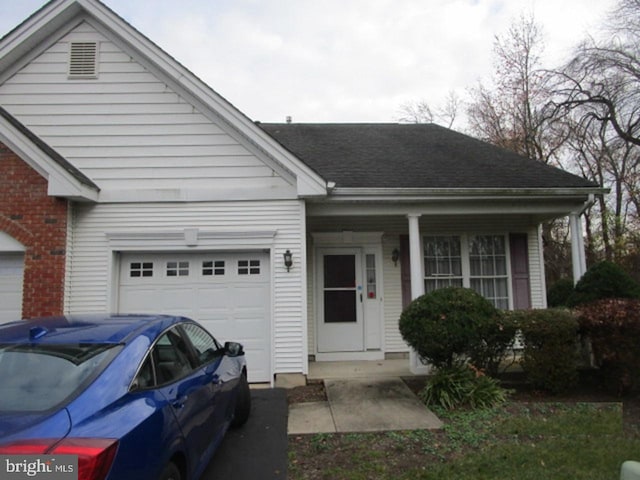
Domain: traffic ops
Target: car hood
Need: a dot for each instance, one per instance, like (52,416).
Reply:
(16,427)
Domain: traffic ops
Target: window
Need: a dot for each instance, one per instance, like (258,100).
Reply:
(172,357)
(177,269)
(207,348)
(141,269)
(371,275)
(248,267)
(38,377)
(488,268)
(478,262)
(211,267)
(442,262)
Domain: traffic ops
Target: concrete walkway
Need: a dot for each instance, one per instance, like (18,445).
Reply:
(362,405)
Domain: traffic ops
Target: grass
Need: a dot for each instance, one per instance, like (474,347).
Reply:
(515,441)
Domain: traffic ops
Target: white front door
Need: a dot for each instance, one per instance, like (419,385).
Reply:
(340,313)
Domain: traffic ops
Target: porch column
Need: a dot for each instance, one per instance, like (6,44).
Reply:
(417,283)
(578,259)
(415,256)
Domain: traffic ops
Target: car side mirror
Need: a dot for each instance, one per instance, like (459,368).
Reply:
(233,349)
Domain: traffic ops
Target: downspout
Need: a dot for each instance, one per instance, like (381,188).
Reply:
(578,258)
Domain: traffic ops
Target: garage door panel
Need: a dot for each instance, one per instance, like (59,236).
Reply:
(11,277)
(228,293)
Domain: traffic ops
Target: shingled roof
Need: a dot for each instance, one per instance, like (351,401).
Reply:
(385,155)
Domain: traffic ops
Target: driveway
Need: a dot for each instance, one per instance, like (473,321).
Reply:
(257,450)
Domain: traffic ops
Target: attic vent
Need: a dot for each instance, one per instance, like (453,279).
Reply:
(83,58)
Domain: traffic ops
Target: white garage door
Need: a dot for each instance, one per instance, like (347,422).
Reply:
(11,268)
(228,293)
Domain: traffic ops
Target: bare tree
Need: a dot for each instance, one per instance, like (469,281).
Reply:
(611,162)
(510,113)
(603,78)
(421,112)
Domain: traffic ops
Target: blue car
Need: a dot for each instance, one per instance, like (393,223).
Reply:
(133,397)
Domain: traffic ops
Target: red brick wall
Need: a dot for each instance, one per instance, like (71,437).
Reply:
(39,222)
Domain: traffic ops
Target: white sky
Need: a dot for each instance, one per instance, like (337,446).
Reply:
(339,60)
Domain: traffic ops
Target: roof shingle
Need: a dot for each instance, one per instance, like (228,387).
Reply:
(383,155)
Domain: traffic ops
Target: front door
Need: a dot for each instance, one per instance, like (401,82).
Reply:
(340,317)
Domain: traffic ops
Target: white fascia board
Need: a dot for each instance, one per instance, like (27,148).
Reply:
(60,182)
(544,204)
(308,182)
(403,194)
(27,37)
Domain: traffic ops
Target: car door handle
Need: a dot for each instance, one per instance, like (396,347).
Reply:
(179,402)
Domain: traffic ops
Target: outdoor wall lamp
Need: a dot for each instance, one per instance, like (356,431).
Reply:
(395,256)
(288,259)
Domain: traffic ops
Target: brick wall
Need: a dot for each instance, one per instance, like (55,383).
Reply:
(39,222)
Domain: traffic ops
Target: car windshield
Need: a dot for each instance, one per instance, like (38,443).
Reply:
(36,378)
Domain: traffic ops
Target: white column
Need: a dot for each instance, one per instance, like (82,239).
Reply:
(417,283)
(415,256)
(578,261)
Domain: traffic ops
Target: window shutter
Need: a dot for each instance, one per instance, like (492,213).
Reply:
(83,60)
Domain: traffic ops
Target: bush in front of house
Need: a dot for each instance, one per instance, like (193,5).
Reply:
(462,385)
(604,280)
(613,329)
(550,358)
(446,326)
(495,338)
(559,294)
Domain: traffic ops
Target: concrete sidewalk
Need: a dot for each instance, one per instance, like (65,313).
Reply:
(362,405)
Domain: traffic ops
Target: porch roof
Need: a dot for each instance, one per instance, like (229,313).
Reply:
(415,156)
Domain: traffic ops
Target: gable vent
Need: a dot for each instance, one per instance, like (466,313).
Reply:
(83,60)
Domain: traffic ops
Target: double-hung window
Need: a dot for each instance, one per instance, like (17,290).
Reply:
(488,268)
(442,262)
(478,262)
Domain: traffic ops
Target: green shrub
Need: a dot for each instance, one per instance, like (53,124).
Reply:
(559,293)
(550,357)
(462,385)
(604,280)
(495,337)
(613,328)
(444,326)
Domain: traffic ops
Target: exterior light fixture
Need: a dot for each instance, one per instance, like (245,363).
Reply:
(395,256)
(288,259)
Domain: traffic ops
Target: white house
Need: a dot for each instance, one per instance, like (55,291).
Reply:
(174,201)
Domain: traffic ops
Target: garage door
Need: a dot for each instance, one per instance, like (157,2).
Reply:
(11,268)
(228,293)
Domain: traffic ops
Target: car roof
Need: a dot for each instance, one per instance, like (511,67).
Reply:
(93,328)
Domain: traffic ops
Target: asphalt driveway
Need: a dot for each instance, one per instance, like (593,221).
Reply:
(257,450)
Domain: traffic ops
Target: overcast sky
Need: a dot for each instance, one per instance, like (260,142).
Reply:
(339,60)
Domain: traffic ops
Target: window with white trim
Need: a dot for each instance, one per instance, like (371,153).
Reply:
(478,262)
(371,275)
(488,268)
(248,267)
(140,269)
(212,267)
(177,269)
(442,262)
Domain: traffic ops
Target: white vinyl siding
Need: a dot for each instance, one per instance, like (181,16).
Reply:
(393,341)
(92,274)
(128,131)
